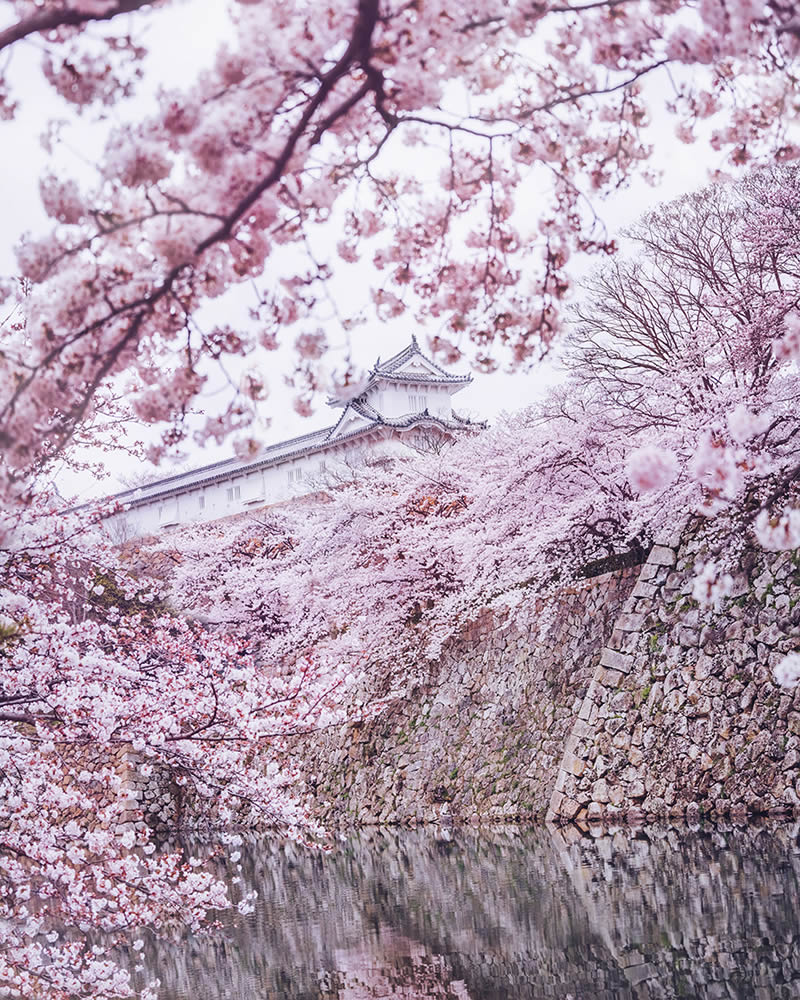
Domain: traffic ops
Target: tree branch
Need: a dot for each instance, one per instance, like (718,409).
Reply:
(50,20)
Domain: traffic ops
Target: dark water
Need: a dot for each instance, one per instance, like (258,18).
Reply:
(509,913)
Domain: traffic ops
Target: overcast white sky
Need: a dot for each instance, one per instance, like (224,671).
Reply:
(184,43)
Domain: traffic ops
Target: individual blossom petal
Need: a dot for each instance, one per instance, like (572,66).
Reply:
(787,672)
(651,468)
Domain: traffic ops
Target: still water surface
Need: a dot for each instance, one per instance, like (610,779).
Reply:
(502,914)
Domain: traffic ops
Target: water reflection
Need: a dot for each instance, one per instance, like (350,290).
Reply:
(495,915)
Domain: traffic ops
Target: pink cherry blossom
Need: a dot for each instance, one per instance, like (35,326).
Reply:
(787,672)
(651,468)
(298,124)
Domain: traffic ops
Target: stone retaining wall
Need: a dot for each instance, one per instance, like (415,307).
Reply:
(618,697)
(622,697)
(683,714)
(480,735)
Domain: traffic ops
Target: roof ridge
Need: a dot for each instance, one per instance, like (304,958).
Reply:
(392,364)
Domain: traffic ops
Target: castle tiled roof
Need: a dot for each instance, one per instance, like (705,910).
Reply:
(390,369)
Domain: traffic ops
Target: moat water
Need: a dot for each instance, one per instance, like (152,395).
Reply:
(505,914)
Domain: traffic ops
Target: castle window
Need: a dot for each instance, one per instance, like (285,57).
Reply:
(418,403)
(201,501)
(233,493)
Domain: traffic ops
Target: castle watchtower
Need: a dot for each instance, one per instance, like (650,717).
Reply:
(406,402)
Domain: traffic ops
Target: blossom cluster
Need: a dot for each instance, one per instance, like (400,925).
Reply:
(98,679)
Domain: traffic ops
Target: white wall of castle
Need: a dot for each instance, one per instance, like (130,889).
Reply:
(397,400)
(240,491)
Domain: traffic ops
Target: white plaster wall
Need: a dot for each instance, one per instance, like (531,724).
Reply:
(238,493)
(292,478)
(395,400)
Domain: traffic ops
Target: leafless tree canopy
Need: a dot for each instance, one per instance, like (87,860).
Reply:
(697,300)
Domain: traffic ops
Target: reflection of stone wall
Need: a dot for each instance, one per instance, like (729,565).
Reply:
(683,713)
(702,915)
(482,734)
(658,914)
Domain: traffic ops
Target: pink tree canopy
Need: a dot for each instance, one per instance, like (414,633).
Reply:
(531,112)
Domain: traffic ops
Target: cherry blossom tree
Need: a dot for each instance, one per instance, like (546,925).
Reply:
(387,567)
(684,322)
(100,684)
(691,337)
(529,114)
(691,342)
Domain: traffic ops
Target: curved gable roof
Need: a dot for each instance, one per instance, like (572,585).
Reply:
(410,366)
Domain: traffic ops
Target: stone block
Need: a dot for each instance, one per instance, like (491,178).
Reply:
(636,790)
(581,729)
(616,795)
(577,766)
(609,679)
(561,778)
(661,555)
(622,701)
(567,808)
(703,667)
(637,974)
(688,637)
(630,622)
(616,660)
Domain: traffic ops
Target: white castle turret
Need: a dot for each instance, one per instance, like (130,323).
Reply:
(407,401)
